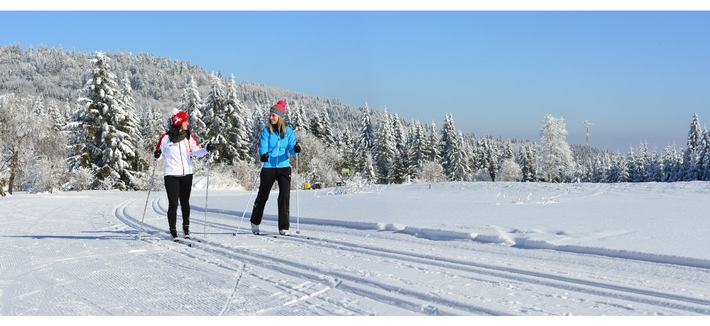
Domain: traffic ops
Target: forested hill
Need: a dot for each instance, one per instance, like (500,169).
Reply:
(379,147)
(157,82)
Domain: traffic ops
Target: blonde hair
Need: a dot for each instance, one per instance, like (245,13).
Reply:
(280,127)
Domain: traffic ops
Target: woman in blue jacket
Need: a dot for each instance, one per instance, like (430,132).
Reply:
(277,141)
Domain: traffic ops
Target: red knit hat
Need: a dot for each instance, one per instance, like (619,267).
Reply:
(178,117)
(279,109)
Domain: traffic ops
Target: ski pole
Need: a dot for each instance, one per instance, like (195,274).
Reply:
(244,212)
(207,192)
(298,199)
(152,179)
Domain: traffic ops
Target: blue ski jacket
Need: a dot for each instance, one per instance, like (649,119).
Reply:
(277,147)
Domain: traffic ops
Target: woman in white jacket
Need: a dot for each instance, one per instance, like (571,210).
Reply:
(177,147)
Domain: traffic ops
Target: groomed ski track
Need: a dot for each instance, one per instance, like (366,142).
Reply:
(305,274)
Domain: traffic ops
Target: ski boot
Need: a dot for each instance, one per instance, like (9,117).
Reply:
(186,231)
(173,234)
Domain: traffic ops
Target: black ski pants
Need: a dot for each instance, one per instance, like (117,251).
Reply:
(267,178)
(178,188)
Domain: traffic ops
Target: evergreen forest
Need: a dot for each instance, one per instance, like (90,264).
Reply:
(79,121)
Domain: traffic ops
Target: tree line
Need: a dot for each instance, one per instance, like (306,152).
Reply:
(73,121)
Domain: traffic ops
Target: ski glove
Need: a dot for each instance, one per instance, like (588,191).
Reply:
(211,147)
(297,148)
(157,153)
(265,157)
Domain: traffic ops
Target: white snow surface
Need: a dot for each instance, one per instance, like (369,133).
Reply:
(441,249)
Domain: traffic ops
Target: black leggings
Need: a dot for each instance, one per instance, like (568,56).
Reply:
(268,176)
(178,187)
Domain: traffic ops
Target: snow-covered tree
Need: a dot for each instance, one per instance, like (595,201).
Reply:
(321,127)
(365,144)
(492,158)
(152,126)
(237,132)
(510,171)
(215,117)
(525,161)
(554,159)
(191,102)
(691,156)
(458,159)
(385,151)
(418,143)
(453,153)
(618,172)
(103,131)
(432,172)
(704,163)
(398,173)
(672,161)
(434,151)
(297,119)
(16,139)
(130,124)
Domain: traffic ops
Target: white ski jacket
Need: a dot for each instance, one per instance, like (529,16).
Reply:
(178,156)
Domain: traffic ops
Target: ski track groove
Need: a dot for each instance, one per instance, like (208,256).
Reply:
(391,296)
(525,276)
(234,290)
(414,301)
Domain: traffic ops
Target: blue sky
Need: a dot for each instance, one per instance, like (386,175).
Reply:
(636,75)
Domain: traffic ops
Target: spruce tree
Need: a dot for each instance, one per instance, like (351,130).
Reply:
(384,151)
(693,151)
(239,121)
(214,111)
(365,146)
(103,142)
(297,119)
(191,102)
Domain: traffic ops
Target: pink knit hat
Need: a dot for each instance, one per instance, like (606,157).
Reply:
(279,109)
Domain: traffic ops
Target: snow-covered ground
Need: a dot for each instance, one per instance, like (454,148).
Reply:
(468,249)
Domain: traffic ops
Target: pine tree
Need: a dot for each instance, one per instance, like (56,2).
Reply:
(365,146)
(237,130)
(418,143)
(131,123)
(448,143)
(297,118)
(671,164)
(693,151)
(525,161)
(453,151)
(326,129)
(320,127)
(704,164)
(384,151)
(402,157)
(347,152)
(492,159)
(618,171)
(315,128)
(434,153)
(634,166)
(214,111)
(191,102)
(152,126)
(102,126)
(458,159)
